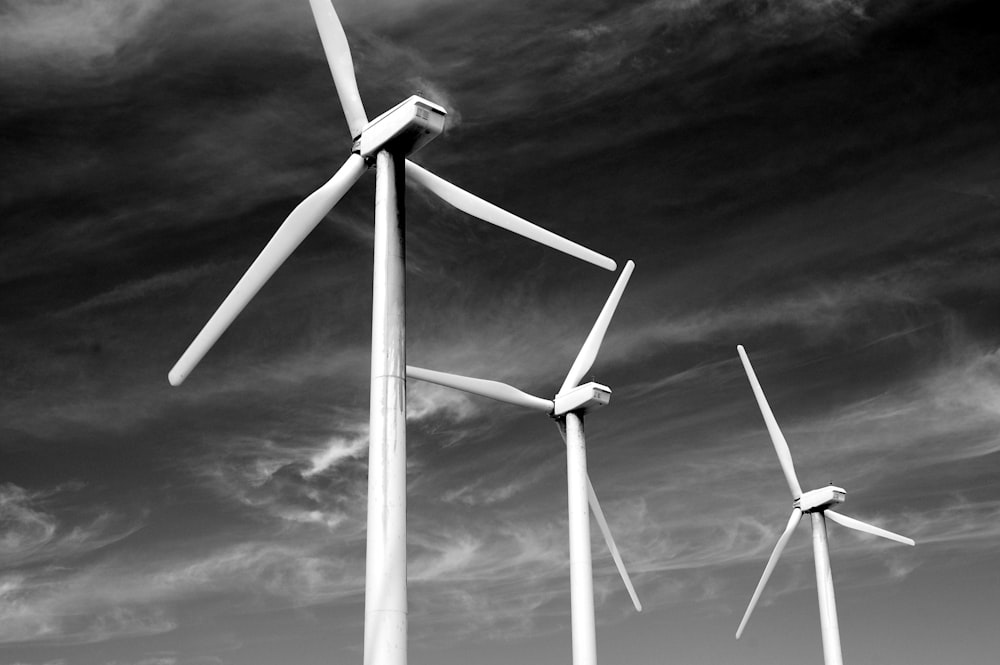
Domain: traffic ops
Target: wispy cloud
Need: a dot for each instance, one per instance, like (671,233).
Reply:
(296,483)
(948,414)
(496,575)
(427,400)
(38,529)
(42,609)
(335,451)
(122,598)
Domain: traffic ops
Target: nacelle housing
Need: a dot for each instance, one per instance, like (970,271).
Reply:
(824,497)
(405,128)
(582,398)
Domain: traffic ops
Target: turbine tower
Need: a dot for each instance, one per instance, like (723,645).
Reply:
(568,408)
(383,142)
(817,504)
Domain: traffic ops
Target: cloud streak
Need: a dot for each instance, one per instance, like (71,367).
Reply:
(37,529)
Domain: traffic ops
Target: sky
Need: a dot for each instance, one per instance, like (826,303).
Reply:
(818,180)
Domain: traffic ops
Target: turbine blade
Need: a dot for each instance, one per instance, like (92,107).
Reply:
(595,508)
(338,54)
(477,207)
(858,525)
(588,352)
(777,438)
(493,389)
(289,235)
(793,521)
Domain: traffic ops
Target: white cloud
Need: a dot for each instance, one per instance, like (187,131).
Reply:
(336,450)
(129,292)
(297,483)
(426,400)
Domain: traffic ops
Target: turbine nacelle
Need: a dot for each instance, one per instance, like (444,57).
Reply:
(821,499)
(405,128)
(581,399)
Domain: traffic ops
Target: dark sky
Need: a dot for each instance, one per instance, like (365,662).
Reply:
(815,179)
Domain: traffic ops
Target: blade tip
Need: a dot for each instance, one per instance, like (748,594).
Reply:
(176,377)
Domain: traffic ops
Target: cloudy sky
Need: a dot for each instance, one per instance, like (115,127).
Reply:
(818,180)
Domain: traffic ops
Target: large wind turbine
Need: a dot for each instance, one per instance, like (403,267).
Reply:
(817,504)
(567,407)
(384,142)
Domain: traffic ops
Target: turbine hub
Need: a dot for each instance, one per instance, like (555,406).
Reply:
(581,399)
(406,127)
(821,499)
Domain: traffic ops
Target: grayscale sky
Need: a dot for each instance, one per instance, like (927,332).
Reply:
(815,179)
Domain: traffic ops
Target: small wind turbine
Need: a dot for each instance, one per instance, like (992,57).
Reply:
(817,504)
(568,408)
(383,142)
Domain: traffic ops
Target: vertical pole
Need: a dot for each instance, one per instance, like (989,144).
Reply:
(824,590)
(385,571)
(580,567)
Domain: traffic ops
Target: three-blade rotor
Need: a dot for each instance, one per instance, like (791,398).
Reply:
(785,459)
(308,214)
(509,394)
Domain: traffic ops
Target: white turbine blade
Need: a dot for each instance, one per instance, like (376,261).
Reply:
(338,54)
(290,235)
(793,521)
(858,525)
(493,389)
(777,438)
(588,352)
(595,508)
(477,207)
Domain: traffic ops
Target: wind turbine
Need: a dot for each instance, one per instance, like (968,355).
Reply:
(567,408)
(384,142)
(816,503)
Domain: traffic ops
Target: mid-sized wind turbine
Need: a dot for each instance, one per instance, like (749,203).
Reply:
(383,142)
(817,504)
(568,407)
